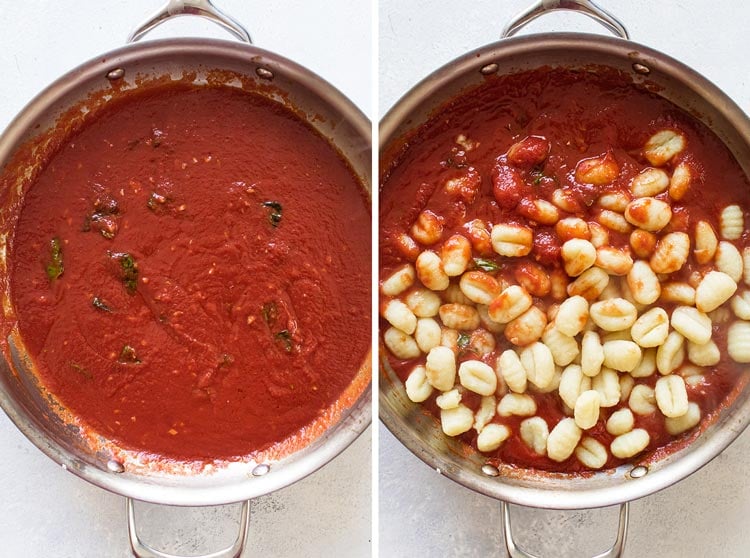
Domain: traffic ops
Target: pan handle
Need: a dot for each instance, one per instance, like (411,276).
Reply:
(615,551)
(143,550)
(586,7)
(201,8)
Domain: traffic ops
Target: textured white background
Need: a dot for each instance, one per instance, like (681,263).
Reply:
(424,514)
(46,512)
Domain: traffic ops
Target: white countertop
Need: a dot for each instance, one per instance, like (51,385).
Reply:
(425,514)
(49,513)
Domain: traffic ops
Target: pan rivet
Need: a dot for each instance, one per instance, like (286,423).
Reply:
(261,470)
(115,466)
(114,75)
(264,73)
(489,69)
(638,472)
(641,69)
(490,470)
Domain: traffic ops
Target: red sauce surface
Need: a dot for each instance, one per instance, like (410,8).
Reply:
(240,327)
(582,114)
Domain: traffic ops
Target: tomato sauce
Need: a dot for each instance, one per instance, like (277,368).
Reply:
(191,273)
(583,114)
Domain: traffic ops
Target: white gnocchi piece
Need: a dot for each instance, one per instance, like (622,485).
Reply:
(590,284)
(398,281)
(714,290)
(607,383)
(423,302)
(648,214)
(586,410)
(729,260)
(642,400)
(705,242)
(614,261)
(649,182)
(430,271)
(680,181)
(671,354)
(679,292)
(671,253)
(459,316)
(517,404)
(552,386)
(478,377)
(399,316)
(572,315)
(662,146)
(510,304)
(457,420)
(563,439)
(572,384)
(479,287)
(643,243)
(449,399)
(651,328)
(564,348)
(643,283)
(738,342)
(449,338)
(647,366)
(731,222)
(454,294)
(620,422)
(671,396)
(614,201)
(626,386)
(511,240)
(488,323)
(492,437)
(427,334)
(578,255)
(746,265)
(539,365)
(693,324)
(565,200)
(621,355)
(418,389)
(509,367)
(539,210)
(592,354)
(599,234)
(526,328)
(630,444)
(558,284)
(455,255)
(485,413)
(440,367)
(481,342)
(572,227)
(614,314)
(741,305)
(678,425)
(428,228)
(591,453)
(614,221)
(534,433)
(693,375)
(402,345)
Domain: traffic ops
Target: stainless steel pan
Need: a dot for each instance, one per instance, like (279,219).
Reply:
(327,109)
(683,87)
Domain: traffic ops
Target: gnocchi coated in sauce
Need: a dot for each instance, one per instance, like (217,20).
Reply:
(565,270)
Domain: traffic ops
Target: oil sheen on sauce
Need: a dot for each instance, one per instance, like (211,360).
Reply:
(583,114)
(191,273)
